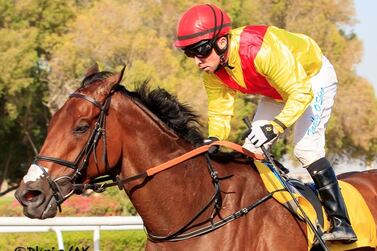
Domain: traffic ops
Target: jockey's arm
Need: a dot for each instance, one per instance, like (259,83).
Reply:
(288,77)
(220,107)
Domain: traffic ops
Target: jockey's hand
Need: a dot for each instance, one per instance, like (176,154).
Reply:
(262,132)
(212,149)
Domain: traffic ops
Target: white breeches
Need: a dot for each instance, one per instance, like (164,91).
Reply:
(309,129)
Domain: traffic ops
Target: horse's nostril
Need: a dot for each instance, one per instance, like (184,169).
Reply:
(31,195)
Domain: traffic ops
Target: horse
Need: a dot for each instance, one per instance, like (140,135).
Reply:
(104,129)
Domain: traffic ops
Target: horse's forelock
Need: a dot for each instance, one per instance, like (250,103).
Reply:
(99,84)
(94,78)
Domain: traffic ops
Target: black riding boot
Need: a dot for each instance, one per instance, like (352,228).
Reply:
(329,193)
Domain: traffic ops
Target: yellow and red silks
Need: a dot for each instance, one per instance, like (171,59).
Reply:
(268,61)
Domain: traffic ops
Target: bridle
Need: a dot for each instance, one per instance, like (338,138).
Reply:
(82,159)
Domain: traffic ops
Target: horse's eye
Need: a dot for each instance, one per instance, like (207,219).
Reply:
(81,129)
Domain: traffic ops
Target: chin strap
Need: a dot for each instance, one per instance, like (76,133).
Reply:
(222,52)
(223,63)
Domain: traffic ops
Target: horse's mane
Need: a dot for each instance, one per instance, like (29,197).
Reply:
(177,116)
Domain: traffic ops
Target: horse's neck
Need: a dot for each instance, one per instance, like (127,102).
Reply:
(169,199)
(165,200)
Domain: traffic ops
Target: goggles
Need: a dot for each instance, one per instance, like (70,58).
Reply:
(201,50)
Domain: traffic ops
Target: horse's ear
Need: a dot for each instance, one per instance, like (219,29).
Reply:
(120,75)
(110,83)
(92,70)
(117,78)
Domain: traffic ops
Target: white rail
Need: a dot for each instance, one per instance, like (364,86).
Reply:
(59,224)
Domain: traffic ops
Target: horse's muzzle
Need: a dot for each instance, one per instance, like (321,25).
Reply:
(30,197)
(35,201)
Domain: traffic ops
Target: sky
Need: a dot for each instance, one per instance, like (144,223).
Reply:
(366,30)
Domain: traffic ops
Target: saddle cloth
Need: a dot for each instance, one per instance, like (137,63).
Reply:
(361,218)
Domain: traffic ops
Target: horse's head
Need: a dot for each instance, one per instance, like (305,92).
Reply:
(74,149)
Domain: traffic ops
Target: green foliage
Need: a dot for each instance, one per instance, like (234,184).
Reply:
(126,240)
(353,128)
(27,32)
(110,240)
(114,33)
(126,206)
(9,207)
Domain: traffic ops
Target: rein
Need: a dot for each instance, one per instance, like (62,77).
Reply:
(96,186)
(182,234)
(81,162)
(216,199)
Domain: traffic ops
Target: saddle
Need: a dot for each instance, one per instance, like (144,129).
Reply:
(309,192)
(361,218)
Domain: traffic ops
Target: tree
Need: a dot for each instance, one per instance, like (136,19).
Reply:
(114,33)
(28,33)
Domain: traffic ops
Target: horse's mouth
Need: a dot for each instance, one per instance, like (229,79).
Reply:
(44,211)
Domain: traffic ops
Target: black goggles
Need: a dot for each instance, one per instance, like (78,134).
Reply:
(201,50)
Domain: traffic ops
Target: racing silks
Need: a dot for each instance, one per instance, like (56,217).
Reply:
(268,61)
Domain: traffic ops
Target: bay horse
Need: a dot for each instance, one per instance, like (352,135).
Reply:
(105,129)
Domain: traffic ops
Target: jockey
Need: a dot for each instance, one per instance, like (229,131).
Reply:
(298,84)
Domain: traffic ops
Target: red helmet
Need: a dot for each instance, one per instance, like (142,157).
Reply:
(202,22)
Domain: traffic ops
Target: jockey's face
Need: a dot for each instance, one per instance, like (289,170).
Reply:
(208,64)
(212,62)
